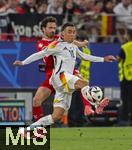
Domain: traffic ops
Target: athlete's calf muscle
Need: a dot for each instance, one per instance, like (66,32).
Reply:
(41,95)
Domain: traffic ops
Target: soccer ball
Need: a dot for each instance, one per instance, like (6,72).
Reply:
(92,94)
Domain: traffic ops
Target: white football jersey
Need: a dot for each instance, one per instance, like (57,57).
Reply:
(64,55)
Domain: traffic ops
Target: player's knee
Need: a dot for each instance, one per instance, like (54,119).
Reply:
(56,117)
(80,84)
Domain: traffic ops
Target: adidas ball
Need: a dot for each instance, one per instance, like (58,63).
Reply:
(92,94)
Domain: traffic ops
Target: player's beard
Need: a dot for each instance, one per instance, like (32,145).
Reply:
(51,34)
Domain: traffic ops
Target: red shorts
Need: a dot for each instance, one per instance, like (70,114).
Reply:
(46,83)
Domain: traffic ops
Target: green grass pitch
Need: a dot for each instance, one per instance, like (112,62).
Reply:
(91,138)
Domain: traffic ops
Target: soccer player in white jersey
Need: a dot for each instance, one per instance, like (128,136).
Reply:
(62,79)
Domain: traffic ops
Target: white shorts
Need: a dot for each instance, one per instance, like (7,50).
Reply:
(64,82)
(62,100)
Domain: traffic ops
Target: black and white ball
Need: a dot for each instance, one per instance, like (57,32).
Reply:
(92,94)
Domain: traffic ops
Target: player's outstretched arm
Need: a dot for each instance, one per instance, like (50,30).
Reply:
(30,59)
(35,57)
(92,58)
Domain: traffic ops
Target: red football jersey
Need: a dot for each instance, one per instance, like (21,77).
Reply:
(48,61)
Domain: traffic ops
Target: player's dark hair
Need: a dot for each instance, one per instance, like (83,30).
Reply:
(40,2)
(68,24)
(46,20)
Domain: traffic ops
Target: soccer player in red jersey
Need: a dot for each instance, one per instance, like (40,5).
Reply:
(48,27)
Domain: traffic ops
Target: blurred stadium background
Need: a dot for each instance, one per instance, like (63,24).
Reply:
(97,21)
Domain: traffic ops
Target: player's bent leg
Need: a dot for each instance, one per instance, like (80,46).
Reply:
(40,96)
(83,85)
(79,84)
(50,119)
(44,121)
(57,113)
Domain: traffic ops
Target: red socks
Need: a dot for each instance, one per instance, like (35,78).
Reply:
(85,102)
(37,113)
(87,107)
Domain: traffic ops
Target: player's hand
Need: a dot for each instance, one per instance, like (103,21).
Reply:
(88,110)
(109,58)
(18,63)
(102,105)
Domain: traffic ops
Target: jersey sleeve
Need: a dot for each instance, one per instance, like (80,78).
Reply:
(39,55)
(89,57)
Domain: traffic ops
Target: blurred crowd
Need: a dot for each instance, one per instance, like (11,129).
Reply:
(86,11)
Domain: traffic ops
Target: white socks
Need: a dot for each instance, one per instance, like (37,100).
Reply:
(44,121)
(85,92)
(47,120)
